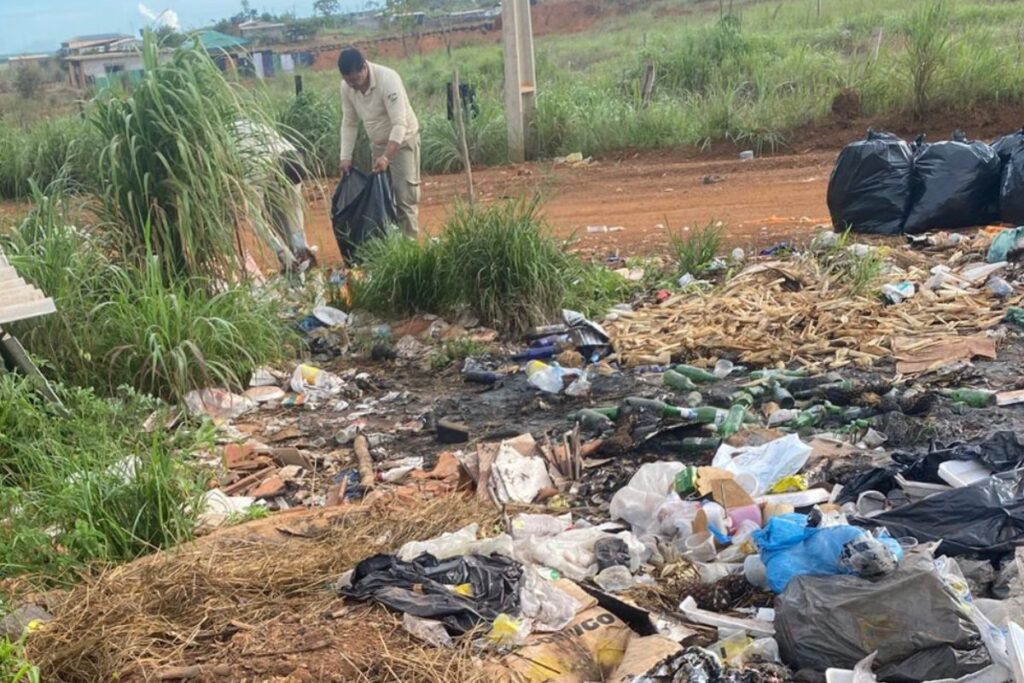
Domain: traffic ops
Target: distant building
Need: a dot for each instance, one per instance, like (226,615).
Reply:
(41,60)
(93,43)
(96,59)
(262,30)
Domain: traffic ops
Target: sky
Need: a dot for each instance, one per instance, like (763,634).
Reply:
(41,25)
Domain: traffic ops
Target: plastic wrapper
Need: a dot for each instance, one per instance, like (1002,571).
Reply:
(869,189)
(572,552)
(362,208)
(789,548)
(911,618)
(638,501)
(423,587)
(430,631)
(768,463)
(954,184)
(985,519)
(315,384)
(461,542)
(545,604)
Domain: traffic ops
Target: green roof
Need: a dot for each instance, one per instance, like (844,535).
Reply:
(215,40)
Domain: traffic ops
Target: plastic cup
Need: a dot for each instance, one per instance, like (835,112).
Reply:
(749,483)
(700,547)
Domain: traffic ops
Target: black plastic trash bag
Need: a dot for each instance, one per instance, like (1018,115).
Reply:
(869,189)
(954,184)
(363,208)
(422,587)
(910,617)
(984,520)
(1001,450)
(1010,149)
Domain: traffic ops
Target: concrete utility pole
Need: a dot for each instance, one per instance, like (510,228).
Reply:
(520,76)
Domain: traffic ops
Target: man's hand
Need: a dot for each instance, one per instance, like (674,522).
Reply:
(382,163)
(346,167)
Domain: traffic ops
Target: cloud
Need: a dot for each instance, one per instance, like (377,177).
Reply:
(168,17)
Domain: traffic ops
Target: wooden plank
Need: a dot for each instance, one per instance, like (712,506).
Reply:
(29,310)
(22,295)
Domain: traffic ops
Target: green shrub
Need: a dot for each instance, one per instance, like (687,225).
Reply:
(402,277)
(175,182)
(505,264)
(695,249)
(90,486)
(118,324)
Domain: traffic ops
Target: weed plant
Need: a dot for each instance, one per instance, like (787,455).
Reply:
(89,487)
(695,249)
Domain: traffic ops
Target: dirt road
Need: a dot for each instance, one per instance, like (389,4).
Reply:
(649,195)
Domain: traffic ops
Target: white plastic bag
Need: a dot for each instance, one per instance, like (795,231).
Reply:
(430,631)
(674,517)
(526,524)
(638,501)
(768,463)
(315,384)
(545,604)
(456,543)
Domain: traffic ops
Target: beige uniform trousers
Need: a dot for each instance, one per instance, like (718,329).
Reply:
(405,183)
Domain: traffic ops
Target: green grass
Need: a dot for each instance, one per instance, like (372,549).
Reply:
(91,487)
(508,268)
(14,666)
(695,249)
(403,277)
(125,325)
(456,351)
(174,182)
(500,261)
(593,289)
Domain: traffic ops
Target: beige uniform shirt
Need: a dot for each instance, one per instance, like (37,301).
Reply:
(384,110)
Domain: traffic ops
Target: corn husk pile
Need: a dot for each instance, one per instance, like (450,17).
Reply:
(800,312)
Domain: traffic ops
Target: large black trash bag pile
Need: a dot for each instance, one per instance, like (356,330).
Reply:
(362,208)
(882,185)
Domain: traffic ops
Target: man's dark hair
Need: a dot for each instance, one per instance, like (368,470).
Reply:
(350,61)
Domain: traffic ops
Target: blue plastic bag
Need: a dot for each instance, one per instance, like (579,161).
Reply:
(789,548)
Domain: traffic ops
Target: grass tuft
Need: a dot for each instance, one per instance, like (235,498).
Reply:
(695,249)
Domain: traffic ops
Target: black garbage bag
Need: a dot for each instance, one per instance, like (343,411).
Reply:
(362,208)
(1005,146)
(881,479)
(1001,450)
(422,587)
(984,520)
(910,617)
(1010,149)
(869,190)
(954,184)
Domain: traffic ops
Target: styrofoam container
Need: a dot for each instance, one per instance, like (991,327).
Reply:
(916,490)
(960,473)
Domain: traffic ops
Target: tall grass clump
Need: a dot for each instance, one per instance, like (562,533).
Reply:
(125,324)
(176,183)
(695,249)
(404,277)
(508,268)
(312,122)
(486,139)
(929,34)
(88,487)
(51,150)
(498,261)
